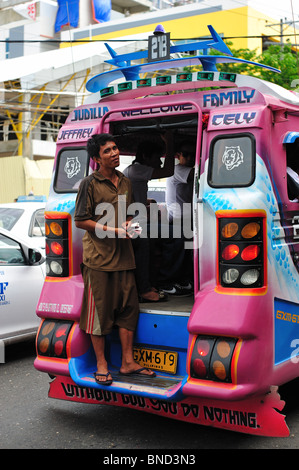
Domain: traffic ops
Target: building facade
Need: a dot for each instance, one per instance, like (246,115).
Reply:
(43,73)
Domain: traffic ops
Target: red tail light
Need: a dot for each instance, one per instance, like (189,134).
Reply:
(52,338)
(211,358)
(230,252)
(57,248)
(203,347)
(250,253)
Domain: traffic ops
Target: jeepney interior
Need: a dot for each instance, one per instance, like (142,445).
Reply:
(129,134)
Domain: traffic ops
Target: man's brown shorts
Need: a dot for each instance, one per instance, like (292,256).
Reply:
(110,298)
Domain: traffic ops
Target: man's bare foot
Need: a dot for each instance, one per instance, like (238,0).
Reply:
(137,370)
(103,378)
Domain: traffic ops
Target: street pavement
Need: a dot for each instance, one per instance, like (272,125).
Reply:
(30,420)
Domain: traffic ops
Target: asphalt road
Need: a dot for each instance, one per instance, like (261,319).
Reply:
(30,420)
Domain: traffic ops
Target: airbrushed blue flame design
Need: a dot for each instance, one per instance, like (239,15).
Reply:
(61,202)
(260,195)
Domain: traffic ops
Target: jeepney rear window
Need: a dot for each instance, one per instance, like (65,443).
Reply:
(232,161)
(72,167)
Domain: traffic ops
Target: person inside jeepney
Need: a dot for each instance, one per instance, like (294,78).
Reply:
(108,259)
(179,193)
(145,167)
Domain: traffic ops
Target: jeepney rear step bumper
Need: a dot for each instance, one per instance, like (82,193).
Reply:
(159,387)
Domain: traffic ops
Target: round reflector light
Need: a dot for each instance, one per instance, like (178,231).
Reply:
(229,230)
(56,267)
(47,328)
(43,345)
(219,370)
(249,277)
(203,347)
(250,230)
(199,368)
(230,252)
(223,349)
(57,248)
(56,229)
(47,230)
(230,276)
(250,252)
(58,347)
(61,331)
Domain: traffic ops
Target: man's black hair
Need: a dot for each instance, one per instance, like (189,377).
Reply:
(146,149)
(96,141)
(188,150)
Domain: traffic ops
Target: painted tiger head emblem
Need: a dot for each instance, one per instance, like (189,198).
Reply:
(72,166)
(232,157)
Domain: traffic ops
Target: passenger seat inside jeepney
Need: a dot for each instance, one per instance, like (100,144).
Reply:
(178,280)
(161,249)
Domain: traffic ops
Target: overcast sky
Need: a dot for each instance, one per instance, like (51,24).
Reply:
(277,8)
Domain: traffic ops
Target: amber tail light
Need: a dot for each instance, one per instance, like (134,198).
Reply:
(241,252)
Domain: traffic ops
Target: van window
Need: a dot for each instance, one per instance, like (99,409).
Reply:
(232,161)
(9,217)
(37,228)
(72,167)
(10,251)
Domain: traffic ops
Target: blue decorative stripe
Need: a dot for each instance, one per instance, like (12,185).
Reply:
(290,137)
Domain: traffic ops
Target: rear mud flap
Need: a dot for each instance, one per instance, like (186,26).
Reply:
(257,415)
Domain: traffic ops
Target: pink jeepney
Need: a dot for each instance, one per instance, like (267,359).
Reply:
(220,354)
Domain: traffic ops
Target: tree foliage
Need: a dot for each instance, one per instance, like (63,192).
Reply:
(280,57)
(285,60)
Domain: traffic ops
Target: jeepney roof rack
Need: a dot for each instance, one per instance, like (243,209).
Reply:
(190,81)
(131,73)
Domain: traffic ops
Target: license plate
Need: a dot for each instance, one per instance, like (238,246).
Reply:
(165,361)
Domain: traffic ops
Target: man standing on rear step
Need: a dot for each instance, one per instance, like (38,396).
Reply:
(110,295)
